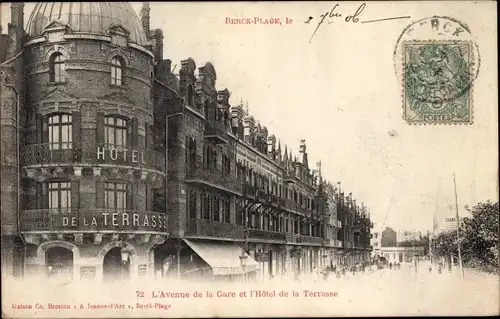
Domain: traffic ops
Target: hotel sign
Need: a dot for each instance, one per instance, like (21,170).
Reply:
(120,154)
(94,220)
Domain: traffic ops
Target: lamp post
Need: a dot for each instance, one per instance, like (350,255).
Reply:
(125,257)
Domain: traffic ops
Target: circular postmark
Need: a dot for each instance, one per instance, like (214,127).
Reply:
(436,61)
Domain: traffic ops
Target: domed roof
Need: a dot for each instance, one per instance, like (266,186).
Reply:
(87,17)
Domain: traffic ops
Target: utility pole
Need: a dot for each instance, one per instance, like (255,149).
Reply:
(458,228)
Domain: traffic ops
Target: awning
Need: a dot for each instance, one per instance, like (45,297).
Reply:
(223,258)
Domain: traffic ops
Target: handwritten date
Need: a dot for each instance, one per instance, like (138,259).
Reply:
(335,14)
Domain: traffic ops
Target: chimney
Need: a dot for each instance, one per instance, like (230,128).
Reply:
(248,125)
(271,145)
(145,17)
(158,45)
(17,14)
(236,118)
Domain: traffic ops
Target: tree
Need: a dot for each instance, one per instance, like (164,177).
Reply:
(479,238)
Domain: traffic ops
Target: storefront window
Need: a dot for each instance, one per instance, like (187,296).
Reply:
(115,195)
(115,131)
(60,131)
(59,195)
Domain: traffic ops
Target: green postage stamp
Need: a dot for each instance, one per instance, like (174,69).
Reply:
(438,80)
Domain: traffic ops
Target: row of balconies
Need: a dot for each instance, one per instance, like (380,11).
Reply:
(98,220)
(93,154)
(198,172)
(205,228)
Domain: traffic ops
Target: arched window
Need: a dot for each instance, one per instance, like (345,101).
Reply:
(115,196)
(117,65)
(115,131)
(57,70)
(60,131)
(59,194)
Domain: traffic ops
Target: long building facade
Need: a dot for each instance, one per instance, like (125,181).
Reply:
(115,167)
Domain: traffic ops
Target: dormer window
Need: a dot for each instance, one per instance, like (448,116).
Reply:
(57,69)
(117,65)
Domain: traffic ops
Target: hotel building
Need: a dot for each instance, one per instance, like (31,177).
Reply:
(115,167)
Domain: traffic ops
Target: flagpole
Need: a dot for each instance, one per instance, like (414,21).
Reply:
(458,229)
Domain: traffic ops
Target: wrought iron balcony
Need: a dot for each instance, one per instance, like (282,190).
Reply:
(334,243)
(310,240)
(266,235)
(199,173)
(216,131)
(92,220)
(85,153)
(275,200)
(207,228)
(293,238)
(263,195)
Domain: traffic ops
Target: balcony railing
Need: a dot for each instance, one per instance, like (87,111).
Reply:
(266,235)
(252,191)
(92,220)
(334,243)
(293,206)
(70,152)
(310,240)
(292,238)
(206,228)
(216,131)
(198,172)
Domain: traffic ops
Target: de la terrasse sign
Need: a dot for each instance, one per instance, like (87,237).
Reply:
(120,154)
(115,220)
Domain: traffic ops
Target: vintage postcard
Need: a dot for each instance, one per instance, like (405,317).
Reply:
(249,159)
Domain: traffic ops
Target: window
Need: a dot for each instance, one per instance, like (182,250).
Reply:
(60,131)
(192,204)
(226,210)
(59,195)
(191,101)
(117,71)
(115,195)
(115,131)
(56,68)
(206,207)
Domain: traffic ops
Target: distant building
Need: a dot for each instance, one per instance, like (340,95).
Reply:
(401,254)
(388,238)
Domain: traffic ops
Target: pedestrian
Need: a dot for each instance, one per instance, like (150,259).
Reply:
(390,265)
(325,275)
(296,277)
(430,269)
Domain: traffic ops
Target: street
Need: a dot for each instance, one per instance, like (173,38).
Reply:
(392,292)
(410,292)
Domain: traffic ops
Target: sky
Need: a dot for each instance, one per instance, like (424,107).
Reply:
(341,94)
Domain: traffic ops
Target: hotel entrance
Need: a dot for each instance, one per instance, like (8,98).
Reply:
(116,266)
